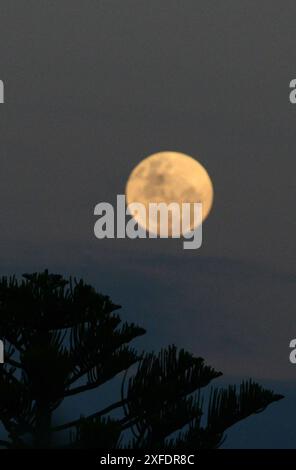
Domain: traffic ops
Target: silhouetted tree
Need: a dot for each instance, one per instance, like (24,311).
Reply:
(62,338)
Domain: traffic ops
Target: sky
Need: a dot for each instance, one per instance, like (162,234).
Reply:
(91,88)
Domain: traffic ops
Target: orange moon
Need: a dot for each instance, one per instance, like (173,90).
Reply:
(169,177)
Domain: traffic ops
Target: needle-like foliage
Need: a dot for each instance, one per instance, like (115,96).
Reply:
(62,338)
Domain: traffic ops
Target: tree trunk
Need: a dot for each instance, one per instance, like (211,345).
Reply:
(43,426)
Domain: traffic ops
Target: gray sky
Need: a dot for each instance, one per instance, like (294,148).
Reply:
(93,87)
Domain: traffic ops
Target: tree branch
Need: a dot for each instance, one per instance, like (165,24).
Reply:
(13,363)
(82,388)
(106,410)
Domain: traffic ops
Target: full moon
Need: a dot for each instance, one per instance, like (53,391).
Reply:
(169,177)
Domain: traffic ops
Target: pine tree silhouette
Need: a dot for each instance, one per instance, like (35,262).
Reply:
(62,338)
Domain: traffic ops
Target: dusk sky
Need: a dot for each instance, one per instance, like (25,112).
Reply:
(91,88)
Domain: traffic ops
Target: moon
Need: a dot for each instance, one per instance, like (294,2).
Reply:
(169,177)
